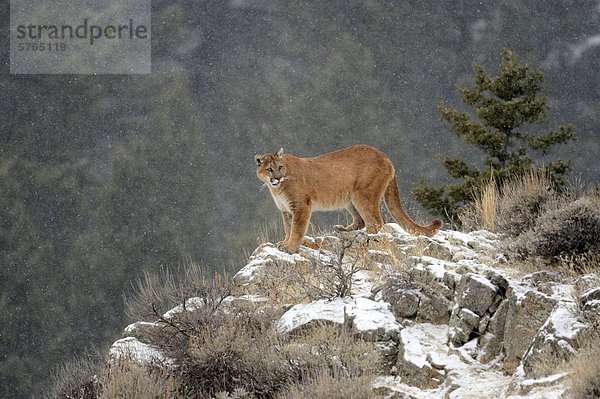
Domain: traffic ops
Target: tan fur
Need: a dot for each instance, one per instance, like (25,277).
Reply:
(355,178)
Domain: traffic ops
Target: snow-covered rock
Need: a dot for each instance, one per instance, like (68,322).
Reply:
(555,341)
(528,310)
(372,320)
(131,348)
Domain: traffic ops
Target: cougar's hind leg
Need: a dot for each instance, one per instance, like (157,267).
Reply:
(368,208)
(357,220)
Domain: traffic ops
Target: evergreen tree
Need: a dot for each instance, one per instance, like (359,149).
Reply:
(506,106)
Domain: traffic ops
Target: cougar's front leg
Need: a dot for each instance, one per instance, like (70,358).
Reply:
(286,219)
(300,220)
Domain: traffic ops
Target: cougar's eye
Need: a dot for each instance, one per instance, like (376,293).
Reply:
(270,170)
(280,167)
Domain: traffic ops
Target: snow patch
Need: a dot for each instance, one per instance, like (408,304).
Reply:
(138,352)
(367,315)
(190,305)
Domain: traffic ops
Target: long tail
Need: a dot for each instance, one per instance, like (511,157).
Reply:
(392,201)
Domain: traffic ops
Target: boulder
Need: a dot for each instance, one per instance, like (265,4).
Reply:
(265,270)
(476,293)
(555,342)
(497,322)
(490,347)
(527,312)
(372,320)
(130,348)
(463,323)
(589,303)
(420,293)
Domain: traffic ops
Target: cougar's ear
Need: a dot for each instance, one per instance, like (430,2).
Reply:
(258,160)
(279,153)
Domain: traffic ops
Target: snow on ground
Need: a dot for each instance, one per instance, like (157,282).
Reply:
(425,344)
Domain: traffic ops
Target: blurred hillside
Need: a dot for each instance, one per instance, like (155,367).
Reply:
(105,177)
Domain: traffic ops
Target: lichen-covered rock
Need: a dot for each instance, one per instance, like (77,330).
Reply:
(589,303)
(527,312)
(434,309)
(463,323)
(497,323)
(419,294)
(490,347)
(497,279)
(555,342)
(476,293)
(405,302)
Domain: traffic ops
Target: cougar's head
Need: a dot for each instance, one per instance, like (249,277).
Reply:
(270,168)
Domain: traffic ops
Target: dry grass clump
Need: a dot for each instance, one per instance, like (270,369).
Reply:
(92,377)
(156,293)
(584,371)
(541,225)
(227,351)
(511,208)
(76,379)
(126,379)
(330,362)
(482,213)
(328,385)
(325,345)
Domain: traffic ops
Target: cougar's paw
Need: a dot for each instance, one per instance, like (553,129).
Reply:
(285,247)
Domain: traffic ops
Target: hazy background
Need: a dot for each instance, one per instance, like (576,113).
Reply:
(105,177)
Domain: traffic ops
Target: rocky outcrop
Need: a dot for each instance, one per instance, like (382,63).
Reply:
(527,312)
(449,314)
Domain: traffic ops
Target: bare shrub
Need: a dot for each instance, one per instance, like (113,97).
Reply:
(159,292)
(329,274)
(336,274)
(218,347)
(151,290)
(222,352)
(76,379)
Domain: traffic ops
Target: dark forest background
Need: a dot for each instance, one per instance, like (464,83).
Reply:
(105,177)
